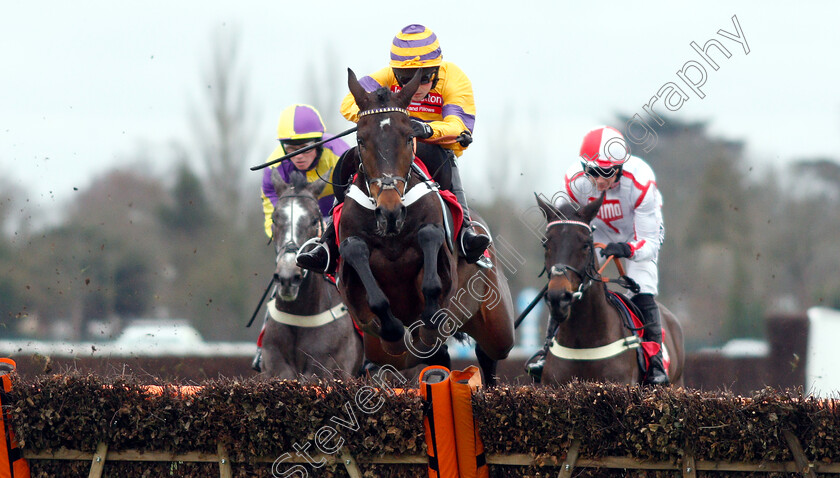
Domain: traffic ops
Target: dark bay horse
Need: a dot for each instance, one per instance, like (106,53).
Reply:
(589,326)
(308,331)
(398,276)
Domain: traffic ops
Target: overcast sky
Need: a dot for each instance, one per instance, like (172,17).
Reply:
(86,84)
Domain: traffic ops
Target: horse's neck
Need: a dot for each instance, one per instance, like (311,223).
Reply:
(592,315)
(315,296)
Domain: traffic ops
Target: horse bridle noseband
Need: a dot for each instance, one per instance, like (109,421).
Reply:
(291,246)
(588,273)
(388,181)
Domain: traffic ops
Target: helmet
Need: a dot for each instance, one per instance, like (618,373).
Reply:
(604,147)
(415,46)
(300,123)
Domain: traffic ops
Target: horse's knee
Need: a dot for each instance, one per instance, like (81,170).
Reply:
(430,234)
(354,249)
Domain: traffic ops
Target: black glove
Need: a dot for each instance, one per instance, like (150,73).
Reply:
(617,249)
(421,130)
(465,138)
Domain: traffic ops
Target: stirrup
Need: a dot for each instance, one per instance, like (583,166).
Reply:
(463,250)
(318,243)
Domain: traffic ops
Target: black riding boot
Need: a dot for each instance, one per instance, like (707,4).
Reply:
(324,256)
(534,366)
(656,374)
(472,243)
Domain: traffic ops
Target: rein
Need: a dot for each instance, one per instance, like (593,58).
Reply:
(594,353)
(597,276)
(291,247)
(588,273)
(388,181)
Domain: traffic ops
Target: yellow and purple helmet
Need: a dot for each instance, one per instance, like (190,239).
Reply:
(300,124)
(415,46)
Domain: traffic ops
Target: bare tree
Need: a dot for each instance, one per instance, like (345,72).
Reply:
(223,134)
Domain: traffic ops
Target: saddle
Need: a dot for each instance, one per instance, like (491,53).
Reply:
(630,317)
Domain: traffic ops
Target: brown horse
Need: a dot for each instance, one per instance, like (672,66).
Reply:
(591,339)
(308,331)
(398,269)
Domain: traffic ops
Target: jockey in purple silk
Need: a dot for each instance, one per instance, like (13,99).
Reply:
(299,126)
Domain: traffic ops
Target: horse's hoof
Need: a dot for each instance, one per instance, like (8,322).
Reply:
(395,349)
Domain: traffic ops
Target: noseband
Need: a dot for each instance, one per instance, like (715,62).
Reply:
(387,181)
(291,247)
(588,273)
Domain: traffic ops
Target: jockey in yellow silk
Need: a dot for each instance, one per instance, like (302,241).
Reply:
(442,108)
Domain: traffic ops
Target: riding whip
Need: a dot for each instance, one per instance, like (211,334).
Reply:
(530,306)
(262,300)
(303,150)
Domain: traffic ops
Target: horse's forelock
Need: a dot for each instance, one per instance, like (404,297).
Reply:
(569,211)
(383,96)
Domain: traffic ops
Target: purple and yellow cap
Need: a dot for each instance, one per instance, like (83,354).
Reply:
(415,46)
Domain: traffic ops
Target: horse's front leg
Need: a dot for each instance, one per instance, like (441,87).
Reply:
(355,252)
(430,237)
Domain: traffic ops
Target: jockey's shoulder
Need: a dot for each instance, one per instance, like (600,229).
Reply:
(638,169)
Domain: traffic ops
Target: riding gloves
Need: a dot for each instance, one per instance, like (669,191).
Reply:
(617,249)
(420,129)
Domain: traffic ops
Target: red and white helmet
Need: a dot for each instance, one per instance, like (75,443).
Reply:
(604,147)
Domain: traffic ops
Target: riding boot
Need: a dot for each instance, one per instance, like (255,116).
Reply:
(472,243)
(324,256)
(655,374)
(256,364)
(534,366)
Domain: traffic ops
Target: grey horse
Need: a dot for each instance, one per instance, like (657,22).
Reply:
(308,331)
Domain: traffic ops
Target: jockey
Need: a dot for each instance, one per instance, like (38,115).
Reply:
(629,222)
(300,125)
(442,106)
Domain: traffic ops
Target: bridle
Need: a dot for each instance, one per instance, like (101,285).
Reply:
(590,274)
(387,181)
(290,246)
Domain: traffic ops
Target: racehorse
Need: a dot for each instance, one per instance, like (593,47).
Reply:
(309,331)
(594,342)
(398,268)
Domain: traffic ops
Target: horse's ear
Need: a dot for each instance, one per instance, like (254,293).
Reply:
(316,187)
(589,211)
(277,182)
(403,98)
(357,90)
(549,211)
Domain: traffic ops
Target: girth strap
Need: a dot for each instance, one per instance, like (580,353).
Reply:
(595,353)
(316,320)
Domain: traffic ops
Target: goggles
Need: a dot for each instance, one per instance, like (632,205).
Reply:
(292,147)
(403,76)
(606,173)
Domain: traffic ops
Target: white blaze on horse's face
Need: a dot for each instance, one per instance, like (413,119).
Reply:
(384,123)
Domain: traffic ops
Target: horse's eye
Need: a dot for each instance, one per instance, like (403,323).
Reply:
(360,142)
(315,221)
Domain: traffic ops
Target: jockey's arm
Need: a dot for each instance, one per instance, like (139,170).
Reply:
(457,112)
(269,196)
(648,228)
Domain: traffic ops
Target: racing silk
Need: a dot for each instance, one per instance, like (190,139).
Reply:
(322,166)
(632,209)
(449,108)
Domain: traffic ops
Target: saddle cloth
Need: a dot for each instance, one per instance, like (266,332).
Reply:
(448,198)
(630,317)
